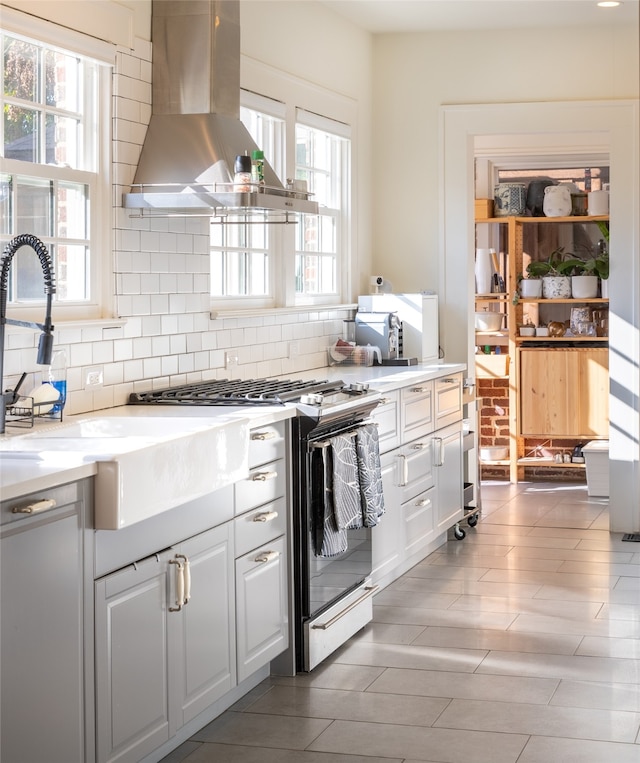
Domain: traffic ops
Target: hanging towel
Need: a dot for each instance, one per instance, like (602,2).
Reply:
(370,474)
(347,499)
(329,540)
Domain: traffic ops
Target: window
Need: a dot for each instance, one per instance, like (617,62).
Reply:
(254,263)
(52,140)
(322,159)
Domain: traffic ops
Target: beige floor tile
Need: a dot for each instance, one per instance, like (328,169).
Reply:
(443,745)
(520,718)
(428,570)
(577,668)
(503,641)
(551,578)
(225,753)
(595,627)
(616,611)
(331,675)
(500,562)
(431,683)
(367,706)
(572,555)
(576,533)
(421,599)
(448,617)
(452,550)
(550,750)
(607,696)
(473,587)
(528,606)
(390,633)
(409,656)
(257,730)
(603,595)
(535,541)
(602,568)
(599,646)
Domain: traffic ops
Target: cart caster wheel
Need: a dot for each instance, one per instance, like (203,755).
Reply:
(472,520)
(459,533)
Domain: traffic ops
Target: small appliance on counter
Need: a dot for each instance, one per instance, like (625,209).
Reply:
(418,314)
(381,330)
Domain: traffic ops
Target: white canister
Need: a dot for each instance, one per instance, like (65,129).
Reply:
(557,200)
(484,270)
(598,203)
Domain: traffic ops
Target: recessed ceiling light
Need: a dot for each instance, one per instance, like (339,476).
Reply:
(609,4)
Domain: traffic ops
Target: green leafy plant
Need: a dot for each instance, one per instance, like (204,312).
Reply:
(558,263)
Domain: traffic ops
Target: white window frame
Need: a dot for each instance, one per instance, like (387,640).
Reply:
(99,181)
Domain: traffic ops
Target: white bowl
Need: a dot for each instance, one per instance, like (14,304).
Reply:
(488,321)
(494,453)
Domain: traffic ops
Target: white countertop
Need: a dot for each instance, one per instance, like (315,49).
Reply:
(21,476)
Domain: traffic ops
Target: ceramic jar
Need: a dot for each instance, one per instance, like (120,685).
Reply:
(509,199)
(556,287)
(557,201)
(598,202)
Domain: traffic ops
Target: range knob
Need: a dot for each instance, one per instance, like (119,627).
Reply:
(357,387)
(312,398)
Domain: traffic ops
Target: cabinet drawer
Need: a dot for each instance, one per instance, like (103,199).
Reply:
(416,410)
(415,467)
(448,400)
(418,516)
(260,526)
(386,417)
(267,443)
(265,483)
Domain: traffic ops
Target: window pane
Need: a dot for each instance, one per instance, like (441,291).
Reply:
(63,141)
(62,74)
(5,204)
(20,69)
(21,130)
(217,272)
(327,275)
(34,206)
(72,203)
(259,284)
(71,273)
(26,275)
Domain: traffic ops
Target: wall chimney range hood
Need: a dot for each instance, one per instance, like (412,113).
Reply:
(195,133)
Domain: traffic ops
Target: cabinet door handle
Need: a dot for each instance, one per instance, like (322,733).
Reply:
(265,516)
(439,442)
(35,508)
(179,585)
(263,435)
(267,556)
(263,476)
(186,576)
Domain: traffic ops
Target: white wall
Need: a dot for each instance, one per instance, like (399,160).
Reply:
(415,74)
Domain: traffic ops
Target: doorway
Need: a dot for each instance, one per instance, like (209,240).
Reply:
(613,126)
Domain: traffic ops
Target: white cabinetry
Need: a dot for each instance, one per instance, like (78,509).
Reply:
(42,626)
(165,646)
(421,459)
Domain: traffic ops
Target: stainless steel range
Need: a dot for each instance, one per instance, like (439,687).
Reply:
(335,469)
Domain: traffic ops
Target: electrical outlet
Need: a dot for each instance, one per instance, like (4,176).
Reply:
(230,359)
(294,350)
(94,377)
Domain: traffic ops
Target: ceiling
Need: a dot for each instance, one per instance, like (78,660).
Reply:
(440,15)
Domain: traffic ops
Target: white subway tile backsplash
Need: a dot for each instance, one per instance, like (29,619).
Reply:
(151,367)
(141,305)
(160,345)
(142,347)
(178,344)
(169,365)
(159,304)
(113,374)
(102,352)
(133,370)
(80,355)
(122,349)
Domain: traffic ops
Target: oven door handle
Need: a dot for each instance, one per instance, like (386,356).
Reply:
(368,591)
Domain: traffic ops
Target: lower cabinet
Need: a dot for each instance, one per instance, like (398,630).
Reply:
(261,607)
(448,476)
(41,629)
(165,643)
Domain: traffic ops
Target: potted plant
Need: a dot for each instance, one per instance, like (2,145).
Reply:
(530,287)
(554,271)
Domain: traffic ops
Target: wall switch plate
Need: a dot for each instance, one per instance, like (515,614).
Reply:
(294,350)
(230,359)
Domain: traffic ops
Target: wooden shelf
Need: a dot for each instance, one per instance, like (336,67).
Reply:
(543,220)
(568,301)
(570,338)
(547,462)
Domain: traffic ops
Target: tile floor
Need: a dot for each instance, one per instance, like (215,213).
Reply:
(520,643)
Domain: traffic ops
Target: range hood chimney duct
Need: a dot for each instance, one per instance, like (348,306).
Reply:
(195,131)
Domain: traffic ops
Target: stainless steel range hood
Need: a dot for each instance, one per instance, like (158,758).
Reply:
(195,132)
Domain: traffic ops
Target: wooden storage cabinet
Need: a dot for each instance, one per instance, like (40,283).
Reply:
(564,392)
(575,404)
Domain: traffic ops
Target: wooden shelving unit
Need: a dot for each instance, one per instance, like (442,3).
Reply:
(514,236)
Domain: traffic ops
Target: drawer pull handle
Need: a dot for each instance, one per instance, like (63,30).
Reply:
(34,508)
(264,476)
(420,446)
(404,471)
(265,516)
(368,591)
(267,556)
(420,389)
(423,502)
(449,381)
(384,400)
(263,435)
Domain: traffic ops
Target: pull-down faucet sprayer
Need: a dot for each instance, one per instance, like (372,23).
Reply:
(45,345)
